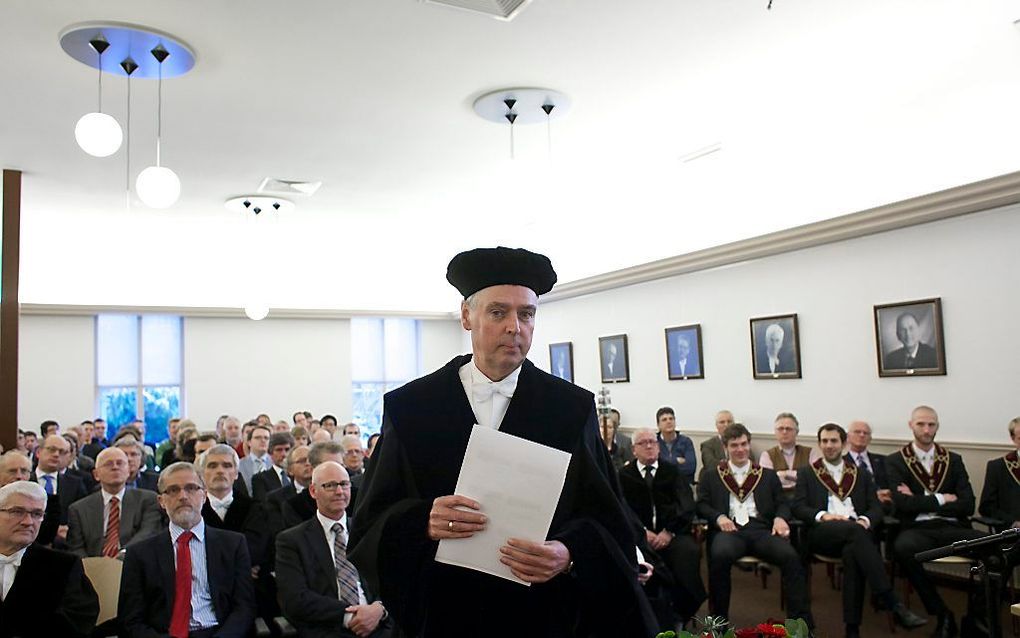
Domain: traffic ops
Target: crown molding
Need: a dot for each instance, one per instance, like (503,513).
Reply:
(68,310)
(961,200)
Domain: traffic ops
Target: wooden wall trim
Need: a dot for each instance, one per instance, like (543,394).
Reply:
(9,264)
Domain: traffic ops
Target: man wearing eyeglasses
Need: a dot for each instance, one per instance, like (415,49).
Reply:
(583,573)
(321,591)
(43,592)
(190,581)
(65,487)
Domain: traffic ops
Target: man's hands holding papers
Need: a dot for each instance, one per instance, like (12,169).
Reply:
(447,521)
(535,562)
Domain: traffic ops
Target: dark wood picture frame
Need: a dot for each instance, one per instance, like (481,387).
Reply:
(692,332)
(788,356)
(926,327)
(612,355)
(566,348)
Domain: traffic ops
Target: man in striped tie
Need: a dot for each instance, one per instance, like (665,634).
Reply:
(320,590)
(106,521)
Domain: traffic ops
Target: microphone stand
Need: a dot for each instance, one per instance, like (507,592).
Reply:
(996,555)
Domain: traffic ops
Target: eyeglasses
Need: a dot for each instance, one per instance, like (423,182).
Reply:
(20,512)
(649,443)
(332,485)
(190,489)
(56,450)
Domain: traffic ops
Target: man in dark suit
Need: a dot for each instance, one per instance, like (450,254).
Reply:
(138,476)
(771,357)
(105,522)
(914,353)
(662,499)
(274,477)
(933,500)
(294,504)
(859,438)
(67,488)
(836,501)
(42,592)
(747,515)
(409,505)
(321,591)
(1000,497)
(190,580)
(712,450)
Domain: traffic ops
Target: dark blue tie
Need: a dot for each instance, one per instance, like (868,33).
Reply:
(49,484)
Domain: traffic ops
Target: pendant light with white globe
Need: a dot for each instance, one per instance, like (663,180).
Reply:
(158,186)
(98,134)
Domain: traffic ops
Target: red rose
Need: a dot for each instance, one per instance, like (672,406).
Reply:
(767,629)
(747,632)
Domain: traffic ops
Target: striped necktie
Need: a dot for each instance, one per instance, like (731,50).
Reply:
(346,574)
(112,544)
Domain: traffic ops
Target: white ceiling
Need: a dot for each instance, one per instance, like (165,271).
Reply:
(822,107)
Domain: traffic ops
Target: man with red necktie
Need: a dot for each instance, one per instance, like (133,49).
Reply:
(192,581)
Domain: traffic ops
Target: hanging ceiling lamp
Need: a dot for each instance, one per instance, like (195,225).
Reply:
(98,134)
(158,186)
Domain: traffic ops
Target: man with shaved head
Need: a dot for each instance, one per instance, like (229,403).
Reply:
(934,501)
(321,591)
(106,521)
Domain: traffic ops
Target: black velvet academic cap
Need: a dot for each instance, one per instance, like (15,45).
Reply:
(480,268)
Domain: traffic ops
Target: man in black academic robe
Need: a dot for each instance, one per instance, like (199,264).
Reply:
(934,500)
(837,502)
(584,577)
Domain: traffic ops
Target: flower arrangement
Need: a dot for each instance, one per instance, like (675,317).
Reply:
(717,627)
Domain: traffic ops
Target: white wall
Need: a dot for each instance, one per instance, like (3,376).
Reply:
(234,366)
(56,370)
(970,262)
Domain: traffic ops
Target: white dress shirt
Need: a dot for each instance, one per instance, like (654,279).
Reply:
(927,460)
(843,507)
(742,511)
(106,506)
(9,570)
(327,527)
(41,481)
(489,399)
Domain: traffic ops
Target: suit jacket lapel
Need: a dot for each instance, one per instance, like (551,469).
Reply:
(316,540)
(165,560)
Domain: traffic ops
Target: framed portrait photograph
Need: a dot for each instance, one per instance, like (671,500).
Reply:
(775,347)
(613,359)
(908,338)
(561,360)
(683,353)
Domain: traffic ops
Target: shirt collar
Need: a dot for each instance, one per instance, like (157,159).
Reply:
(107,496)
(198,530)
(327,523)
(740,470)
(477,376)
(833,469)
(921,454)
(15,558)
(654,465)
(225,502)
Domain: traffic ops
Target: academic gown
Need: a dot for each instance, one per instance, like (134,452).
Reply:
(426,426)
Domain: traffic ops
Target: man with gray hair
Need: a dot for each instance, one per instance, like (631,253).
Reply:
(354,454)
(43,592)
(774,358)
(206,571)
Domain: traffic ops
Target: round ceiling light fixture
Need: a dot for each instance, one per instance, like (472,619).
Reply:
(158,187)
(256,311)
(98,134)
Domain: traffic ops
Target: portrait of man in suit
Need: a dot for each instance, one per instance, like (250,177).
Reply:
(775,347)
(613,359)
(910,338)
(683,352)
(561,358)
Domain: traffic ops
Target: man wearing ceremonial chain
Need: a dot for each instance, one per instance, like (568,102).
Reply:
(934,501)
(838,504)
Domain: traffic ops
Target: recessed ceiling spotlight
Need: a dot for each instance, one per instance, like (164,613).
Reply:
(258,204)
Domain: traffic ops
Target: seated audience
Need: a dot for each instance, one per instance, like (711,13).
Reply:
(934,501)
(164,448)
(47,428)
(662,499)
(106,521)
(372,440)
(788,457)
(66,488)
(281,426)
(321,435)
(301,436)
(300,420)
(189,580)
(186,431)
(675,447)
(354,454)
(320,590)
(1000,497)
(31,444)
(618,444)
(257,459)
(836,500)
(43,592)
(747,515)
(138,477)
(712,450)
(274,477)
(859,437)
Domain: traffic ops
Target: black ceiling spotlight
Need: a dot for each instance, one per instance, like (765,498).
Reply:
(521,106)
(97,133)
(257,210)
(511,117)
(246,203)
(276,205)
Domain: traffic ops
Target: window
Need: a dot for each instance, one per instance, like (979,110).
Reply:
(385,354)
(139,362)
